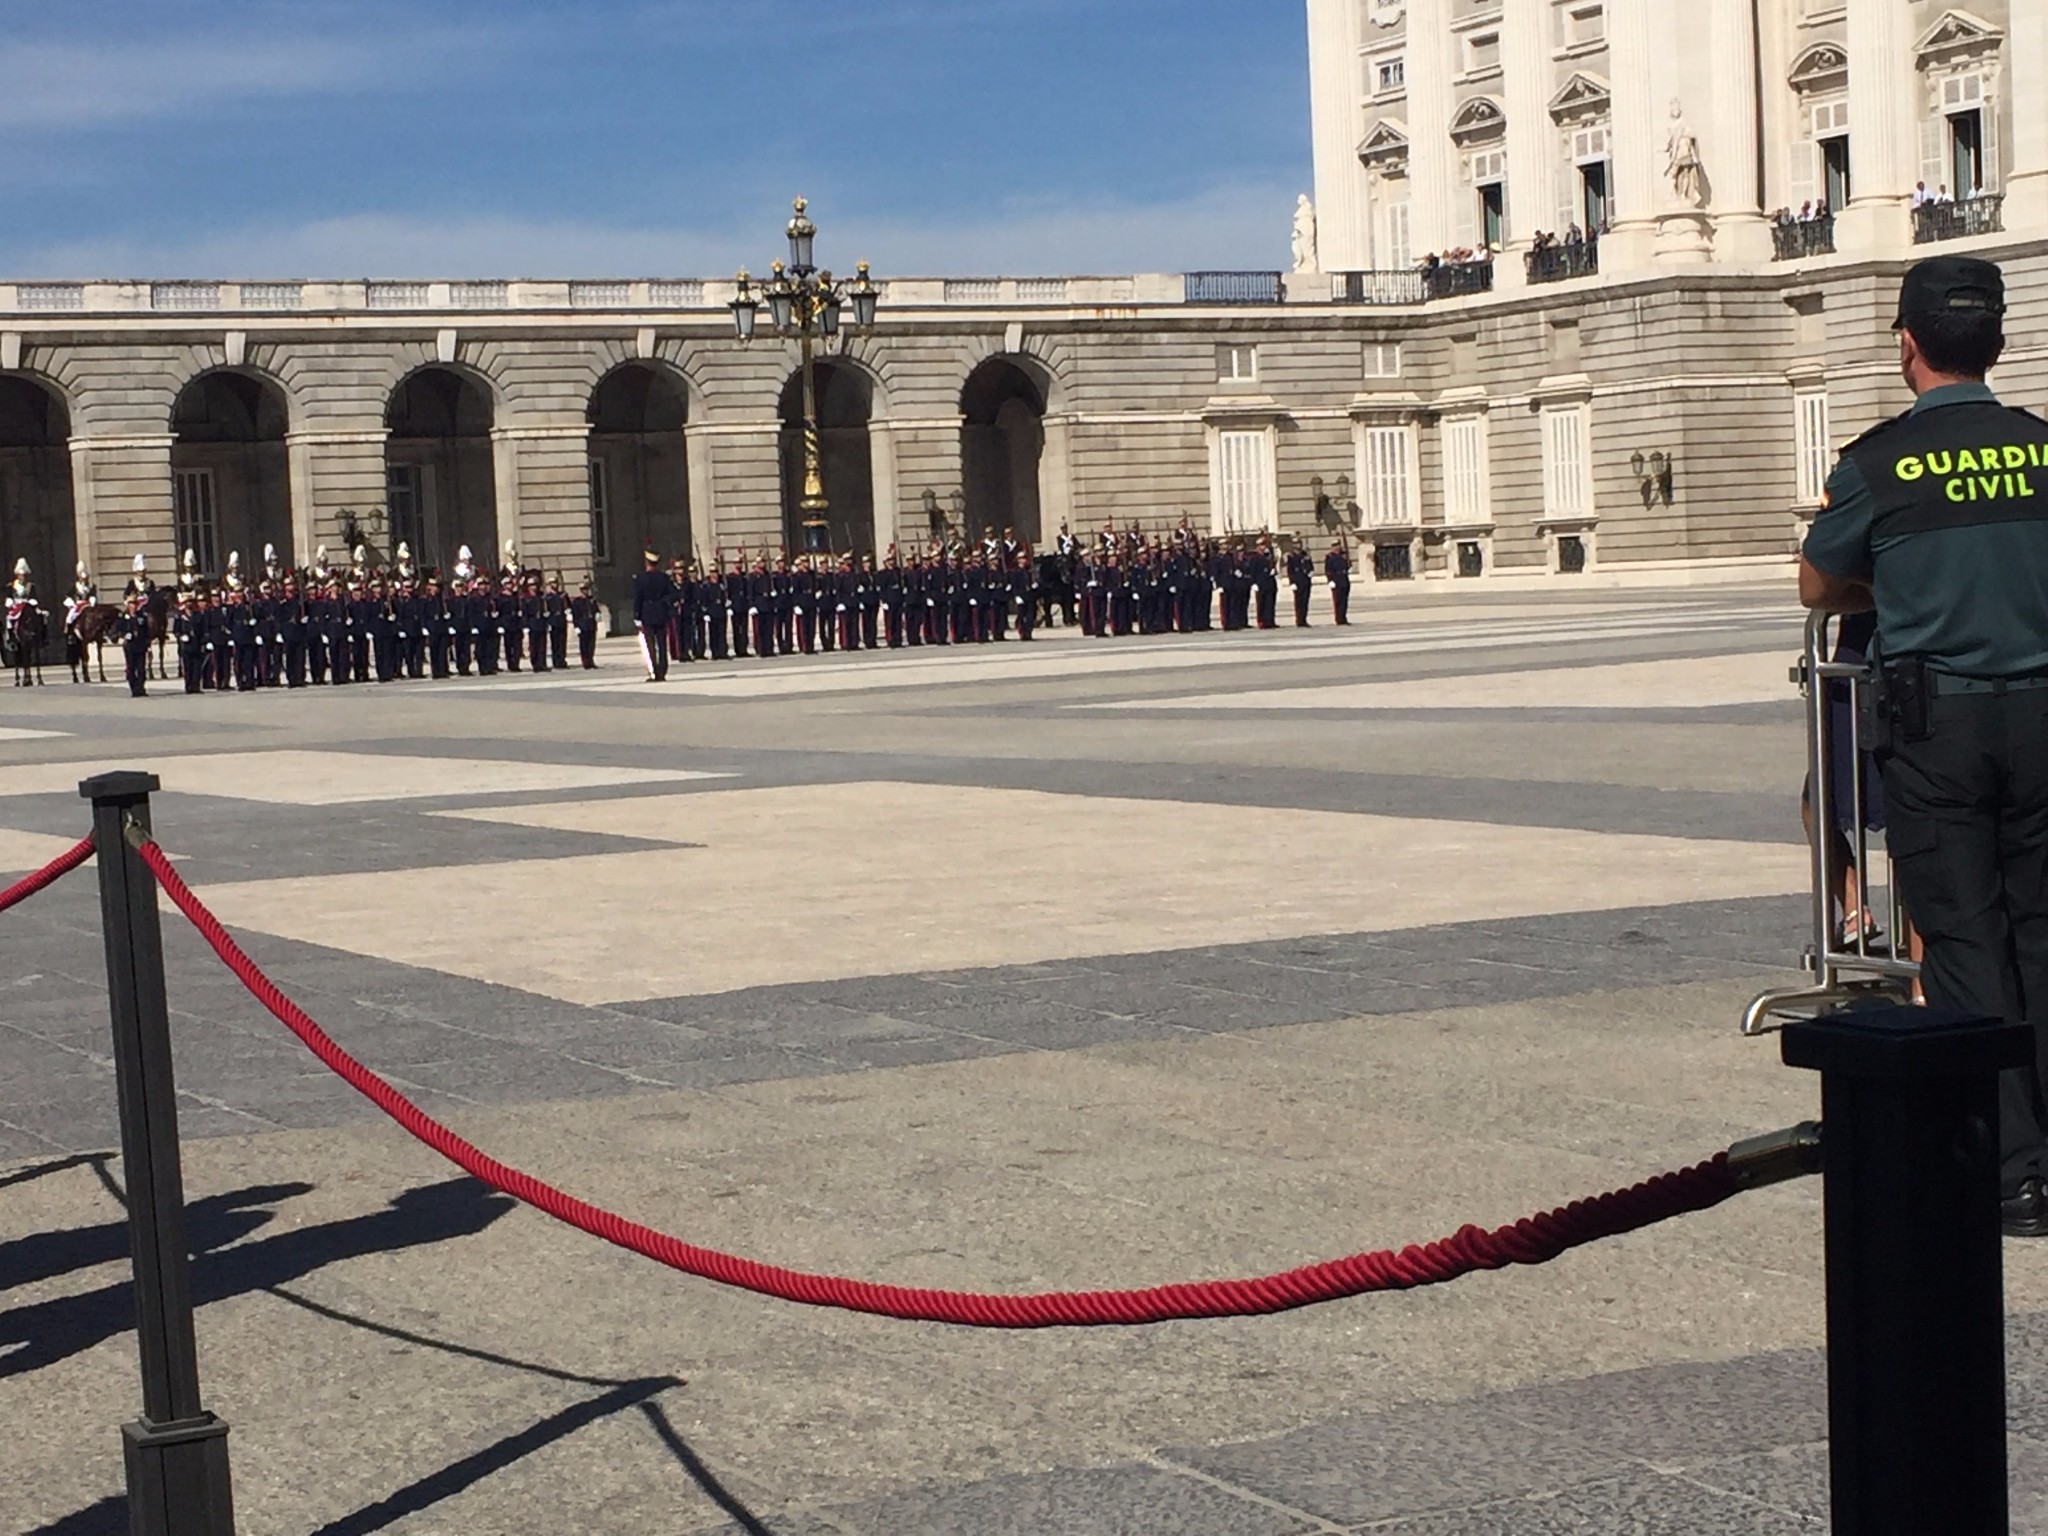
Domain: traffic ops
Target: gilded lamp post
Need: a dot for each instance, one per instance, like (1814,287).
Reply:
(804,305)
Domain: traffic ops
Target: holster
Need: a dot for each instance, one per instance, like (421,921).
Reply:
(1900,704)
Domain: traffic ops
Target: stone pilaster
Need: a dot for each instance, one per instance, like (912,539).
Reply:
(1532,137)
(1741,232)
(1881,129)
(1636,159)
(2026,76)
(741,468)
(923,454)
(1343,211)
(1431,177)
(334,471)
(545,508)
(121,500)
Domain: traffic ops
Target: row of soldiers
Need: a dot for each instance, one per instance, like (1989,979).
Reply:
(295,629)
(778,606)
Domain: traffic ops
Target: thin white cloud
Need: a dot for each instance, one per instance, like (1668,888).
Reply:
(57,85)
(1226,227)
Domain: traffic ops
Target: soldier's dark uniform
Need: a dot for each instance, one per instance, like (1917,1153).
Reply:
(1301,575)
(1944,513)
(583,614)
(652,595)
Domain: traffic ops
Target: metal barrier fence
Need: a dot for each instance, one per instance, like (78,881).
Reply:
(1846,967)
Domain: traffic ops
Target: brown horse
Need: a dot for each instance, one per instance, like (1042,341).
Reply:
(27,632)
(93,627)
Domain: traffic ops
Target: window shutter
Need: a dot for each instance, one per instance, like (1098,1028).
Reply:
(1465,232)
(1933,154)
(1987,115)
(1803,173)
(1400,253)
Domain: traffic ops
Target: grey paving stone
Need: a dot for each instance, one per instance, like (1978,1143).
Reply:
(1131,1500)
(1685,1415)
(1793,1478)
(1407,1461)
(1646,1504)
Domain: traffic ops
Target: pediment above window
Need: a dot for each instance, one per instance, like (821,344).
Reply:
(1480,118)
(1957,35)
(1823,67)
(1386,145)
(1585,98)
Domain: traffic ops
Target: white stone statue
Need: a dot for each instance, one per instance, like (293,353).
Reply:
(1306,257)
(1682,160)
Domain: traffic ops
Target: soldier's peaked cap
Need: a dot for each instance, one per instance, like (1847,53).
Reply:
(1950,285)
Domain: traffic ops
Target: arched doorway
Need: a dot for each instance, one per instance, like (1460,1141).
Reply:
(639,476)
(231,487)
(1002,438)
(36,516)
(440,488)
(845,405)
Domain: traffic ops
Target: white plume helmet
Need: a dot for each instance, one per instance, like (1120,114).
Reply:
(361,554)
(141,564)
(191,561)
(21,566)
(320,557)
(234,559)
(463,554)
(81,572)
(270,554)
(404,550)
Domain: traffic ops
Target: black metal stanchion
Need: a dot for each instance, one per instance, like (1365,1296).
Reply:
(1915,1277)
(177,1452)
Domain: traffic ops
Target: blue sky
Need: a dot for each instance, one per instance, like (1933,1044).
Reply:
(307,138)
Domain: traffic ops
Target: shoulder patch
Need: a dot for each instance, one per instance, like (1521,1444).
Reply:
(1877,431)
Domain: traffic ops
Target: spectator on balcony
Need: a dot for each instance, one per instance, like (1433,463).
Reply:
(1941,194)
(1806,211)
(1921,196)
(1573,235)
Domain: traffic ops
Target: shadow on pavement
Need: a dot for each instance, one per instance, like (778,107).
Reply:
(210,1224)
(42,1333)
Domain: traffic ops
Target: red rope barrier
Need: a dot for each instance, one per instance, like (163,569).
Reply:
(1534,1240)
(48,875)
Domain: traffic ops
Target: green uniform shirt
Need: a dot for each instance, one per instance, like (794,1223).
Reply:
(1957,560)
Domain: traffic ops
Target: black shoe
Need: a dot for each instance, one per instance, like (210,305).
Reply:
(2024,1213)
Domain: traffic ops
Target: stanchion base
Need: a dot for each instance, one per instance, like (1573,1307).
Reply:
(178,1477)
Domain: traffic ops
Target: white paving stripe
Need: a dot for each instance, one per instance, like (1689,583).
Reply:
(23,733)
(1023,876)
(1699,682)
(339,778)
(923,669)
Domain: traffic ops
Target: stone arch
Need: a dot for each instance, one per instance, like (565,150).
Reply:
(440,477)
(38,510)
(1002,443)
(230,470)
(848,401)
(639,471)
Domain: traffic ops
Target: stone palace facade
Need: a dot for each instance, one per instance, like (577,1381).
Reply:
(1657,402)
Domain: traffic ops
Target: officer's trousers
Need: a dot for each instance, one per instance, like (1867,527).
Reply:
(1967,814)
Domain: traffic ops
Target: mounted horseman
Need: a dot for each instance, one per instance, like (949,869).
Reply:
(26,627)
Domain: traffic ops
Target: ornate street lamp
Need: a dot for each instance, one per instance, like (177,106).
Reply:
(805,304)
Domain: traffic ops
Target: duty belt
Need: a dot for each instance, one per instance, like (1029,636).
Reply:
(1951,683)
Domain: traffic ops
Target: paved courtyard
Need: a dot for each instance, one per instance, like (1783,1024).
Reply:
(1071,965)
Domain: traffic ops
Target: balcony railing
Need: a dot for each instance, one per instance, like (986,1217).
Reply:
(1383,287)
(1797,238)
(1453,279)
(1234,288)
(1979,215)
(1555,263)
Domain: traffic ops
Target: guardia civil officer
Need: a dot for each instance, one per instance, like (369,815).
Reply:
(1939,520)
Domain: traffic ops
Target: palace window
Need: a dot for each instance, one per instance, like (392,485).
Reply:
(1237,363)
(1396,252)
(1567,491)
(1810,439)
(1386,477)
(1386,75)
(405,507)
(1482,53)
(1465,488)
(193,518)
(1243,478)
(1383,359)
(600,514)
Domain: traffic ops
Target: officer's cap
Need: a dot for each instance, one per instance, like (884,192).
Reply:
(1950,285)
